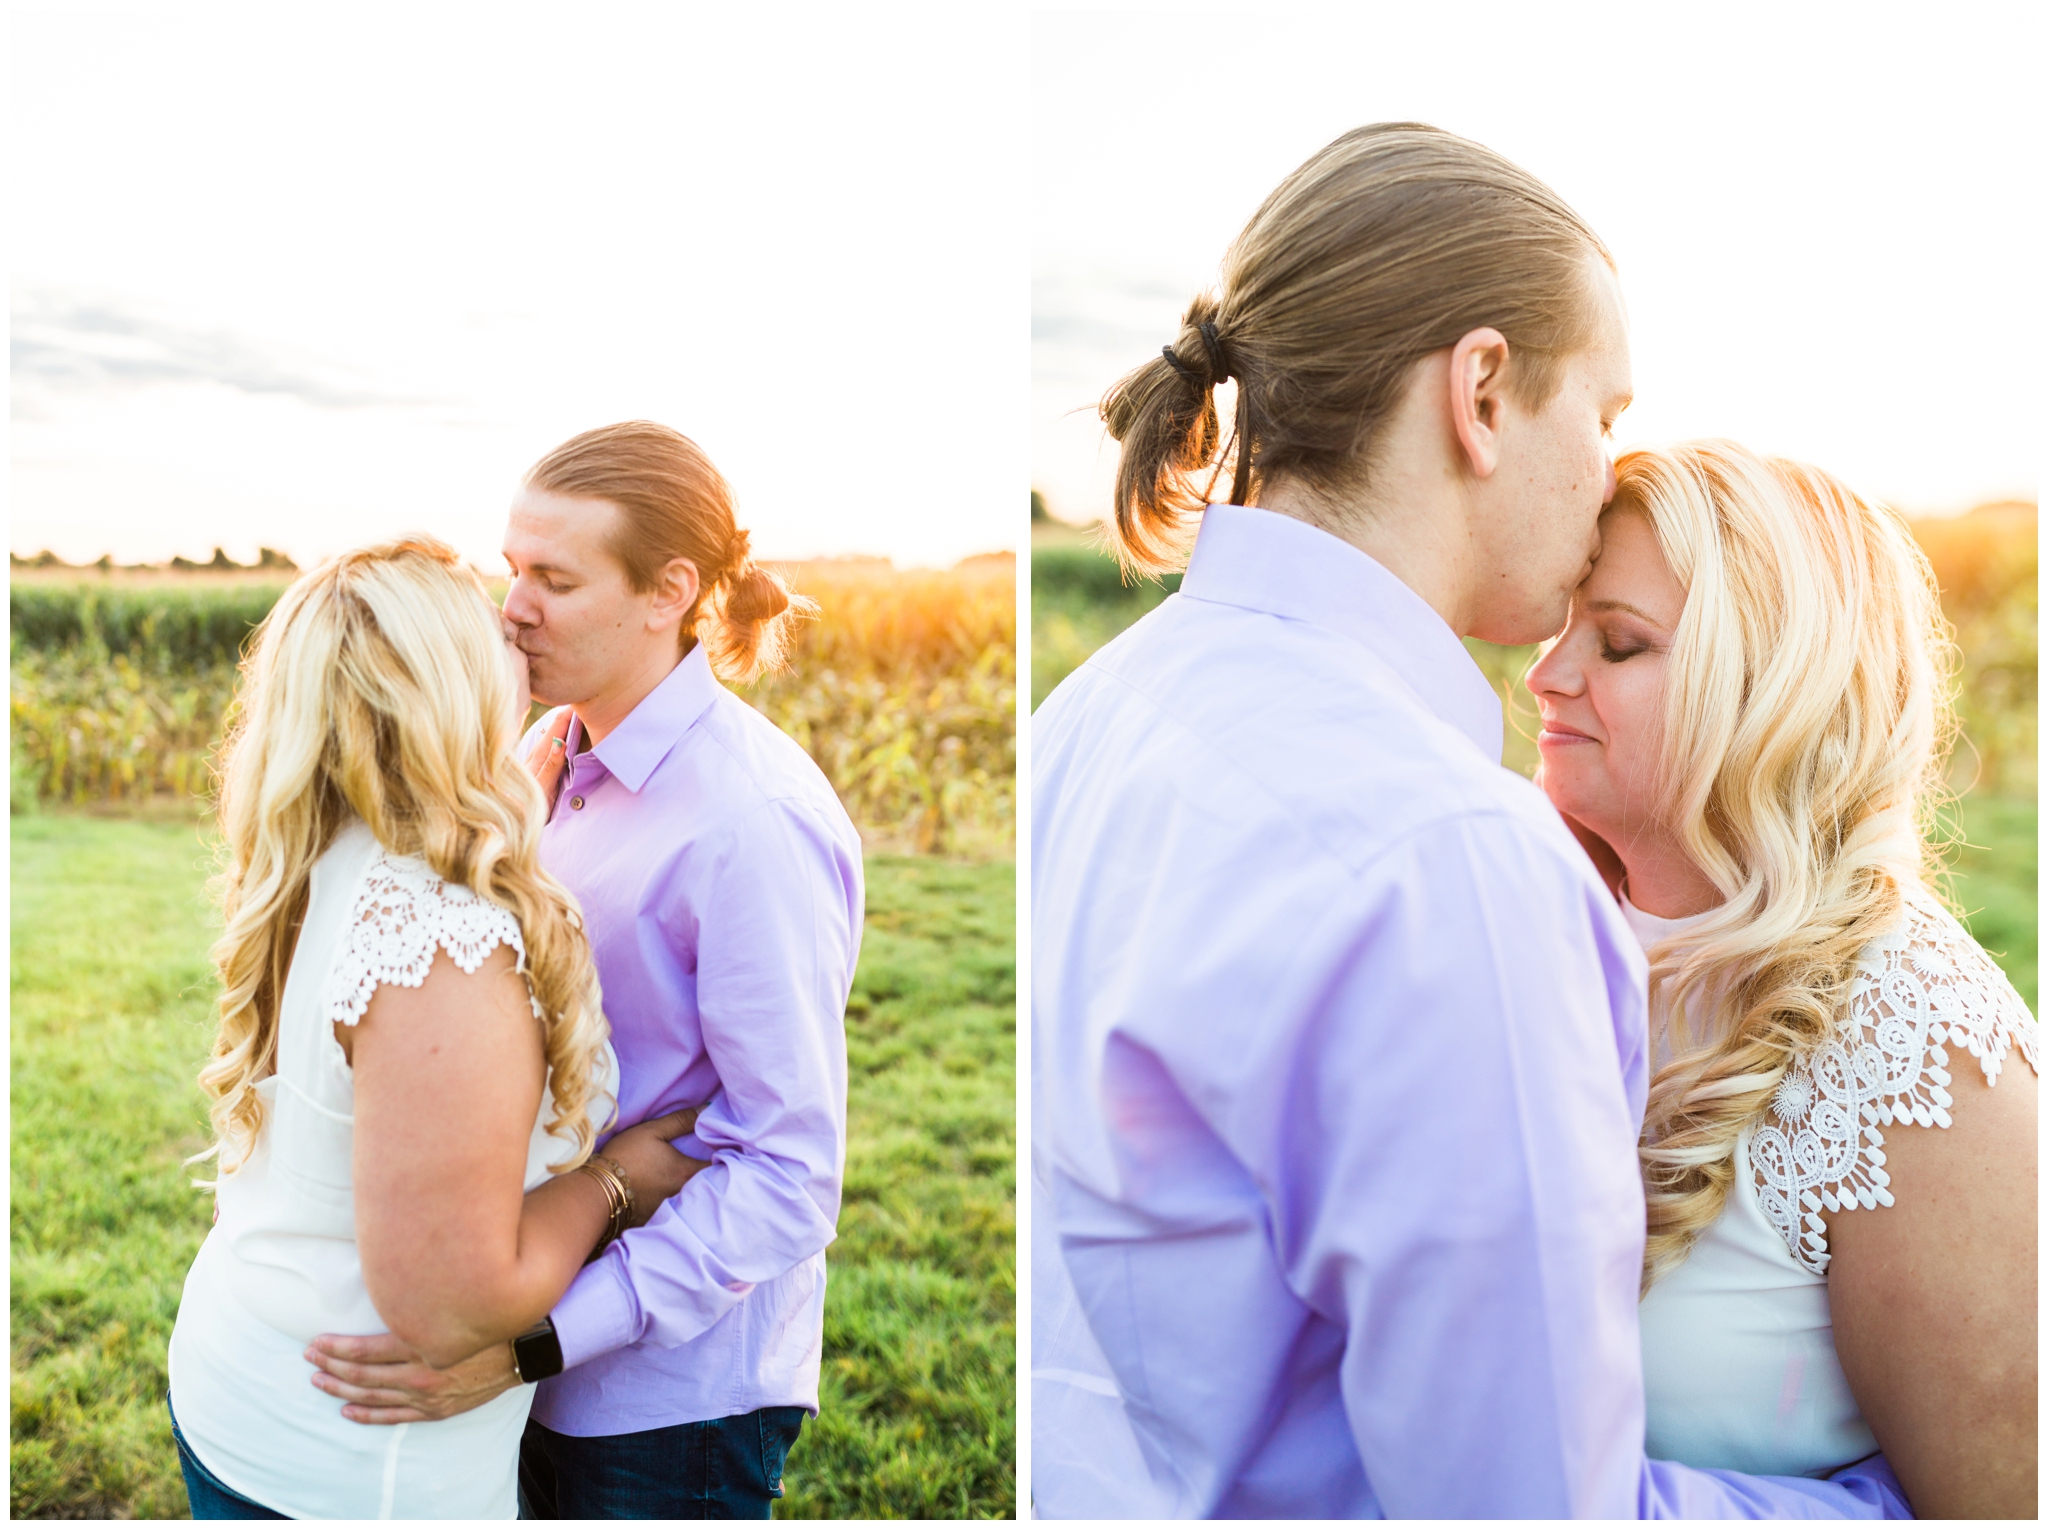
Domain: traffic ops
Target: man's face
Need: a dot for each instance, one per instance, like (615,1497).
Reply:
(580,623)
(1536,528)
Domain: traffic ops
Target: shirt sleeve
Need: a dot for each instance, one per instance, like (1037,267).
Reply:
(1457,1187)
(773,910)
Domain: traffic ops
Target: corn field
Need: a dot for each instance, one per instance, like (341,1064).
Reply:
(903,691)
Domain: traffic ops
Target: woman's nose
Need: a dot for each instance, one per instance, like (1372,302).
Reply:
(1554,673)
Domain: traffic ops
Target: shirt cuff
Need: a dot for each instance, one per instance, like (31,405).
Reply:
(598,1313)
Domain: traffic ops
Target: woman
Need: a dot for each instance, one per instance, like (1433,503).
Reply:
(396,1127)
(1745,720)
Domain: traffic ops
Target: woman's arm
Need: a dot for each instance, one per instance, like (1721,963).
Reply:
(456,1255)
(1933,1301)
(448,1084)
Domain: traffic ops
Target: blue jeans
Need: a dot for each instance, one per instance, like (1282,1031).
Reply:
(724,1468)
(210,1497)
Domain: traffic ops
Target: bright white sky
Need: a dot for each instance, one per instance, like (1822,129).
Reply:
(299,276)
(1828,218)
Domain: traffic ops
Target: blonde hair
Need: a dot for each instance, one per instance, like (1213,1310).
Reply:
(377,689)
(674,503)
(1393,242)
(1807,712)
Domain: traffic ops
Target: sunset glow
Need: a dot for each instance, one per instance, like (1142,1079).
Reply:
(294,279)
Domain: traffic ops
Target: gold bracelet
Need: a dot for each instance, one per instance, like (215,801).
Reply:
(617,1199)
(618,1192)
(615,1223)
(625,1190)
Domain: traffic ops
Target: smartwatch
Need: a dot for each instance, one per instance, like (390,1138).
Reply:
(537,1353)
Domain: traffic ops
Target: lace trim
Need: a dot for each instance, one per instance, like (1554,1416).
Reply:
(1920,991)
(404,911)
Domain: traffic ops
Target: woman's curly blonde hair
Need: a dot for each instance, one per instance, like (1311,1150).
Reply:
(1807,714)
(377,689)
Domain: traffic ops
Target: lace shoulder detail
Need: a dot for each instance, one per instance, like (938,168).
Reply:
(404,911)
(1918,993)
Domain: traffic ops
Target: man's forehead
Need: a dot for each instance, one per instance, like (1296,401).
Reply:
(529,544)
(1615,376)
(552,530)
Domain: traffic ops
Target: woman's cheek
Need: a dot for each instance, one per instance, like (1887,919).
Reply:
(1571,784)
(1642,741)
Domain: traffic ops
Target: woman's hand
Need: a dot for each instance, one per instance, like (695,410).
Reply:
(549,756)
(656,1169)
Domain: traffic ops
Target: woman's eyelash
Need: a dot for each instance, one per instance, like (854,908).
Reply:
(1616,655)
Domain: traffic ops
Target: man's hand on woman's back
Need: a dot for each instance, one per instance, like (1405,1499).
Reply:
(380,1379)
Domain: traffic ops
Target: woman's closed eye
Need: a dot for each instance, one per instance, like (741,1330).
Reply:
(1622,636)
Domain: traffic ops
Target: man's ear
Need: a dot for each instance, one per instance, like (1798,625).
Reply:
(1478,383)
(674,594)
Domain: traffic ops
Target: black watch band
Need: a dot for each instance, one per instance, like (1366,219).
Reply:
(537,1353)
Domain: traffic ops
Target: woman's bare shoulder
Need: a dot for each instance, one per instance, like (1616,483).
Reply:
(418,945)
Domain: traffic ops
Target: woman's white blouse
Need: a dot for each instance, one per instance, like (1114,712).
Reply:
(281,1263)
(1739,1366)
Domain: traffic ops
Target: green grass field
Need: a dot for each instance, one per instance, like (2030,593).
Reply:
(1079,601)
(111,1015)
(1995,881)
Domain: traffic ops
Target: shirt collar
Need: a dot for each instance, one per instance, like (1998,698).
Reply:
(1265,561)
(632,749)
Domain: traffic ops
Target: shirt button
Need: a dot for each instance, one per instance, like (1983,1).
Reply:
(576,802)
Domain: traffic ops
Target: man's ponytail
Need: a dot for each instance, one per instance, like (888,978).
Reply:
(1163,414)
(751,617)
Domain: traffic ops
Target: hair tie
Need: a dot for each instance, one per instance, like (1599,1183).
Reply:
(1219,367)
(1181,367)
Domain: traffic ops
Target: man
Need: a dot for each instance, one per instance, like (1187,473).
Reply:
(1338,1041)
(721,884)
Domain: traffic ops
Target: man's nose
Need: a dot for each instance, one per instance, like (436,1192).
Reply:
(520,607)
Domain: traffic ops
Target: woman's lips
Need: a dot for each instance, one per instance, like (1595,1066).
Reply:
(1558,734)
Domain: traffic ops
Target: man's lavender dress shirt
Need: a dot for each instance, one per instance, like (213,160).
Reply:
(721,883)
(1338,1057)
